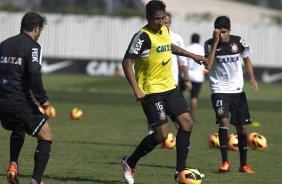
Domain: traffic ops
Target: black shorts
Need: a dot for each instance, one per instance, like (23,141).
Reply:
(235,103)
(29,120)
(158,105)
(196,87)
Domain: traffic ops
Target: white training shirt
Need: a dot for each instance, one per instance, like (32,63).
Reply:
(176,60)
(226,74)
(195,71)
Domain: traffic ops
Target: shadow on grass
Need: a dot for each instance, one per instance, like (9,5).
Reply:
(98,143)
(75,179)
(145,165)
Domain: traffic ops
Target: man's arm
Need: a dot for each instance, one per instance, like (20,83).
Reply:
(187,83)
(211,54)
(127,65)
(34,70)
(250,71)
(181,52)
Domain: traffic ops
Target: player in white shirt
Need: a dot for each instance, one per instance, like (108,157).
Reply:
(176,39)
(193,75)
(225,52)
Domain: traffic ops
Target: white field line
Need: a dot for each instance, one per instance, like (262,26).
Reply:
(130,92)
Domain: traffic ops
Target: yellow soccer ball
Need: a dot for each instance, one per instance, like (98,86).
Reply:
(213,141)
(251,138)
(76,113)
(233,142)
(259,142)
(190,176)
(170,141)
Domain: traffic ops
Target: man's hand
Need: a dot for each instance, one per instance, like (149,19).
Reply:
(46,105)
(254,85)
(201,60)
(139,95)
(216,35)
(188,85)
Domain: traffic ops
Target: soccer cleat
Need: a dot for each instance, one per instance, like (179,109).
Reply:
(128,172)
(247,169)
(12,174)
(33,181)
(224,167)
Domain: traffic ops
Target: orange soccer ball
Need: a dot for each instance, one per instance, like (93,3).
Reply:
(251,138)
(190,176)
(258,142)
(76,113)
(170,141)
(233,142)
(213,141)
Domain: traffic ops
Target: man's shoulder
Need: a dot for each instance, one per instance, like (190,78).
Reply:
(11,39)
(209,41)
(176,39)
(235,38)
(175,35)
(29,41)
(141,34)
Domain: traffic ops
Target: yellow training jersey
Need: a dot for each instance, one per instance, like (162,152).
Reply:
(153,63)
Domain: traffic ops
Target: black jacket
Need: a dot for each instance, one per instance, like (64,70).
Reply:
(20,73)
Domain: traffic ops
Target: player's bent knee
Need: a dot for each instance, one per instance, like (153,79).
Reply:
(224,122)
(185,122)
(45,133)
(242,129)
(187,126)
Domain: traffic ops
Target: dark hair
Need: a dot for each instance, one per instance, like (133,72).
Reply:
(168,14)
(153,6)
(222,22)
(195,38)
(32,20)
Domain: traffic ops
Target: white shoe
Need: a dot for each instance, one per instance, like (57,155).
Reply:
(128,172)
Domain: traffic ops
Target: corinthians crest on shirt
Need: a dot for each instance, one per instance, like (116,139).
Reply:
(234,47)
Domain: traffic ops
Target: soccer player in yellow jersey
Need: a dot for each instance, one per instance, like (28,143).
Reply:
(151,50)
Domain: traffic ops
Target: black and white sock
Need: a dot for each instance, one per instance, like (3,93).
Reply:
(223,141)
(182,149)
(243,148)
(16,143)
(146,146)
(41,157)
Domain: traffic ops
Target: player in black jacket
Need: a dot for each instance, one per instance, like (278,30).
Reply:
(20,77)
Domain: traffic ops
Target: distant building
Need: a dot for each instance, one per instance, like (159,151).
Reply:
(90,7)
(24,4)
(210,9)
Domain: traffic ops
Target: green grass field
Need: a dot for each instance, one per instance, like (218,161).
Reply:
(90,150)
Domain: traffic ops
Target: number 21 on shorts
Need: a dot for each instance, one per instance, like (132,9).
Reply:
(218,103)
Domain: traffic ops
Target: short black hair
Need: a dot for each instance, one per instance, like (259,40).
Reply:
(195,38)
(168,14)
(153,6)
(222,22)
(32,20)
